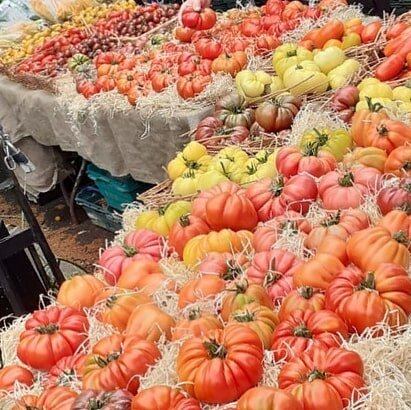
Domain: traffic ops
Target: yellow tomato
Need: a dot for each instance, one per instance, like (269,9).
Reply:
(194,151)
(341,74)
(282,60)
(402,93)
(329,59)
(385,102)
(209,179)
(352,22)
(367,82)
(252,84)
(187,184)
(276,84)
(305,78)
(405,107)
(333,43)
(162,219)
(180,164)
(380,90)
(351,40)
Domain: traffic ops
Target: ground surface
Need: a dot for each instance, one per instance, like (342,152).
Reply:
(78,244)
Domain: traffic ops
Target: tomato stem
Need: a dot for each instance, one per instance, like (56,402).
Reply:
(306,292)
(233,270)
(401,237)
(194,314)
(49,329)
(302,331)
(215,350)
(322,137)
(95,404)
(332,219)
(311,148)
(368,283)
(244,317)
(407,166)
(110,302)
(316,374)
(382,130)
(277,186)
(130,251)
(184,220)
(347,180)
(373,107)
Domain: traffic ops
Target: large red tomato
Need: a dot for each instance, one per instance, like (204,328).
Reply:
(139,244)
(116,362)
(274,270)
(273,198)
(339,190)
(341,223)
(187,227)
(303,330)
(364,298)
(222,365)
(293,160)
(231,211)
(323,379)
(50,335)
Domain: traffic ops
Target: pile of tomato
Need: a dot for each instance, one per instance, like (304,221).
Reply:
(265,262)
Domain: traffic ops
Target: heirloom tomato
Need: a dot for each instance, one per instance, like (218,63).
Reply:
(304,330)
(365,298)
(287,55)
(231,358)
(337,142)
(162,219)
(323,379)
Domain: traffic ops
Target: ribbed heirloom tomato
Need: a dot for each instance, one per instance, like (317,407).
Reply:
(303,330)
(201,288)
(274,270)
(55,398)
(370,247)
(50,335)
(339,190)
(199,20)
(12,374)
(272,198)
(137,245)
(80,291)
(323,379)
(222,365)
(226,265)
(304,298)
(163,398)
(261,319)
(117,399)
(365,298)
(196,324)
(268,398)
(67,370)
(241,293)
(115,361)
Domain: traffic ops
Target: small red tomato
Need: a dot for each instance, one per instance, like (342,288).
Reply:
(390,68)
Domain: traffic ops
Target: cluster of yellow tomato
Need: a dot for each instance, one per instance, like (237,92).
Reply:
(88,16)
(397,98)
(300,71)
(303,71)
(194,170)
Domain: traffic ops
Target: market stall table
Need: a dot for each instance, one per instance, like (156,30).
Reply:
(120,142)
